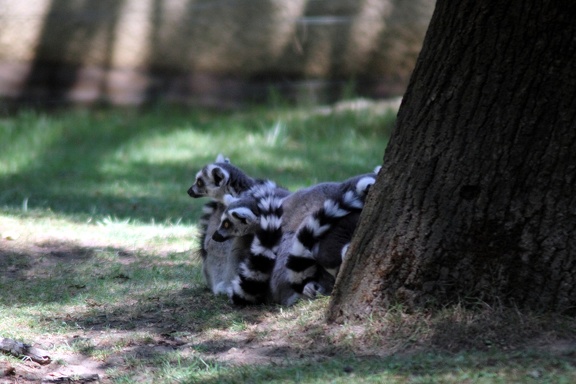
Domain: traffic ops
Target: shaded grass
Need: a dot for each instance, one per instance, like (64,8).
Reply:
(97,260)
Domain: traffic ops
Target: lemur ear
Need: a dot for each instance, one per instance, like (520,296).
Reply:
(219,176)
(245,215)
(229,199)
(364,185)
(221,159)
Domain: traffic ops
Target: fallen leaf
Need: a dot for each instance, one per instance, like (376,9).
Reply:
(93,303)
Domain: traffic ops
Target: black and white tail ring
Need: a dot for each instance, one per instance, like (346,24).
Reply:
(301,263)
(252,283)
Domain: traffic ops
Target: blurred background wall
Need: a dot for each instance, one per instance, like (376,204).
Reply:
(206,52)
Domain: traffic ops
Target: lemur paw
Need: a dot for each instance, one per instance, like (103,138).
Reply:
(313,290)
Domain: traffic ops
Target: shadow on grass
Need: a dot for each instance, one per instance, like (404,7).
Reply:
(101,291)
(424,366)
(113,288)
(417,367)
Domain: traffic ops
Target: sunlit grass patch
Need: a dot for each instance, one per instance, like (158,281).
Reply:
(125,164)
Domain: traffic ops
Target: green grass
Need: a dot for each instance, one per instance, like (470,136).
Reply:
(131,165)
(98,265)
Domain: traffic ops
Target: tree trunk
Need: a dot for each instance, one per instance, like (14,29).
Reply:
(477,196)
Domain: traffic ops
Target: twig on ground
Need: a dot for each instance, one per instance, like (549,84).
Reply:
(24,351)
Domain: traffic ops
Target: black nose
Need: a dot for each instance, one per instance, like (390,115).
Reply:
(191,193)
(217,236)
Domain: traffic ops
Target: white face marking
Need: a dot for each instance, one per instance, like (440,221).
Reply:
(218,175)
(210,168)
(243,214)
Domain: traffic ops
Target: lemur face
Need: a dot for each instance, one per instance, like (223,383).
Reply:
(210,182)
(235,222)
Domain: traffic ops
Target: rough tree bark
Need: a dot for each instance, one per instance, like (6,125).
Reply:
(477,195)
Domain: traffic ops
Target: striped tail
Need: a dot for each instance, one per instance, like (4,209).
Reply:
(301,264)
(251,286)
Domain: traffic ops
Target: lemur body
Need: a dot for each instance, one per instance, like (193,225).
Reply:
(255,217)
(219,260)
(335,200)
(216,267)
(242,218)
(321,240)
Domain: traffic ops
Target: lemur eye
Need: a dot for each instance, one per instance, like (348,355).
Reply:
(200,183)
(226,224)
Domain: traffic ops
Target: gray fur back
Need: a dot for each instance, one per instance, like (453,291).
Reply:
(301,203)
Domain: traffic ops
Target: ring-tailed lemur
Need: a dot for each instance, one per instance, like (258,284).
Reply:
(321,241)
(206,184)
(216,180)
(242,213)
(254,221)
(221,178)
(242,217)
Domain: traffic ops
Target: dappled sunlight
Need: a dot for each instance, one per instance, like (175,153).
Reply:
(179,146)
(126,297)
(138,166)
(99,239)
(33,132)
